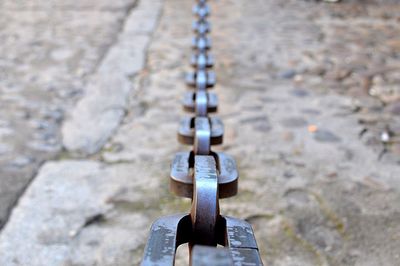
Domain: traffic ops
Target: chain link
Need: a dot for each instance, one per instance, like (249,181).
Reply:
(202,175)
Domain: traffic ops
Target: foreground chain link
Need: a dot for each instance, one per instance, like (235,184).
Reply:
(202,175)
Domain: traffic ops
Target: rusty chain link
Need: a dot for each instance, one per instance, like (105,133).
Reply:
(202,175)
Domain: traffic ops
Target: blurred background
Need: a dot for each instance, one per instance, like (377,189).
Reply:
(90,100)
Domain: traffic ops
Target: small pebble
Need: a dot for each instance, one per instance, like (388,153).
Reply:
(4,149)
(294,122)
(61,54)
(288,136)
(385,137)
(22,161)
(287,74)
(395,108)
(325,136)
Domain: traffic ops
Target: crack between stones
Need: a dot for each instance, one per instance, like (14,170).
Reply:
(134,92)
(128,12)
(15,203)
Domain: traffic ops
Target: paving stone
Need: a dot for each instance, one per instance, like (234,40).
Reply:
(294,122)
(99,113)
(325,136)
(288,74)
(48,50)
(55,224)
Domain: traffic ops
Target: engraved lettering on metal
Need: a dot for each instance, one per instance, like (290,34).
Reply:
(163,241)
(181,163)
(205,207)
(167,233)
(246,256)
(241,242)
(239,233)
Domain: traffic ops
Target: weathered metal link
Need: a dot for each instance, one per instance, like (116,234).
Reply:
(202,136)
(190,126)
(201,102)
(193,102)
(202,60)
(239,237)
(205,204)
(201,27)
(201,43)
(167,233)
(201,10)
(181,176)
(210,256)
(201,79)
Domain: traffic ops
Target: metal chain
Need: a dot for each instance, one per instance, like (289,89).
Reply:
(202,175)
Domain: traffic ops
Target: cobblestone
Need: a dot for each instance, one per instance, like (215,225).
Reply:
(48,50)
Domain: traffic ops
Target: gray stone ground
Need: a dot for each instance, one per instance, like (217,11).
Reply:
(49,49)
(309,93)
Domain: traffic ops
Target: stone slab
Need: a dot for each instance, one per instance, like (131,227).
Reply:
(81,213)
(98,114)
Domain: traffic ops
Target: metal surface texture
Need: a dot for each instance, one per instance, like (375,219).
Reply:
(202,60)
(201,11)
(201,79)
(181,177)
(201,102)
(203,255)
(202,139)
(203,175)
(169,232)
(205,206)
(192,128)
(194,102)
(165,237)
(201,43)
(201,26)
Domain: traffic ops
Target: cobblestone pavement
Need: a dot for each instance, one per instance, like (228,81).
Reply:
(48,50)
(309,93)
